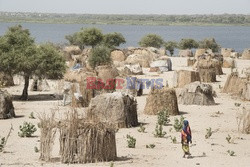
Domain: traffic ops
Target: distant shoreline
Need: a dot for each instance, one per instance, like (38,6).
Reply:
(111,19)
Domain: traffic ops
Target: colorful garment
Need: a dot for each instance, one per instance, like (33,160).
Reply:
(186,137)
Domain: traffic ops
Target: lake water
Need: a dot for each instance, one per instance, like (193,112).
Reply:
(237,37)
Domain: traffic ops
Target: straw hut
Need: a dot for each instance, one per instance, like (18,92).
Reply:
(228,62)
(246,91)
(6,80)
(114,108)
(71,50)
(6,106)
(234,84)
(40,85)
(138,59)
(184,77)
(207,70)
(161,65)
(246,54)
(118,55)
(190,62)
(196,93)
(227,52)
(159,99)
(186,53)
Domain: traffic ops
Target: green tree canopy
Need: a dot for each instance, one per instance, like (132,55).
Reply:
(151,40)
(209,43)
(170,46)
(188,44)
(20,55)
(100,55)
(113,39)
(86,37)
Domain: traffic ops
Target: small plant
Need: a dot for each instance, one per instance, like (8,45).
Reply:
(131,141)
(2,143)
(142,129)
(26,130)
(150,146)
(231,153)
(36,149)
(159,131)
(170,129)
(32,115)
(178,124)
(237,104)
(112,164)
(209,133)
(229,139)
(173,139)
(163,117)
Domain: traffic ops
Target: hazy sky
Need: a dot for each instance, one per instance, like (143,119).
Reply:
(128,6)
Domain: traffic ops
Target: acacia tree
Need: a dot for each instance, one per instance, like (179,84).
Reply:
(188,44)
(20,55)
(86,37)
(112,40)
(100,55)
(209,43)
(151,40)
(170,46)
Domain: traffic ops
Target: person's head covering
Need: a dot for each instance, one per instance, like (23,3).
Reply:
(185,125)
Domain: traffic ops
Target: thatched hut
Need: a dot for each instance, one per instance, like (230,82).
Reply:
(246,91)
(184,77)
(190,62)
(114,108)
(40,85)
(196,93)
(227,52)
(246,54)
(137,58)
(186,53)
(234,84)
(228,63)
(207,70)
(159,99)
(161,65)
(6,106)
(71,50)
(118,55)
(6,80)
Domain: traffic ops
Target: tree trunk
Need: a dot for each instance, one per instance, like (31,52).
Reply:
(26,86)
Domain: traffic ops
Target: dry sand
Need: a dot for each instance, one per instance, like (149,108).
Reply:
(20,151)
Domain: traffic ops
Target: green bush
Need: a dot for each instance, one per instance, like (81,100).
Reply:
(178,124)
(150,146)
(163,117)
(27,129)
(36,149)
(142,129)
(173,139)
(159,131)
(32,115)
(209,133)
(151,40)
(229,139)
(2,143)
(231,153)
(100,55)
(131,141)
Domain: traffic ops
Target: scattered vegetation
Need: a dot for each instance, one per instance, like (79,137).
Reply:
(163,117)
(150,146)
(209,43)
(237,104)
(32,115)
(170,46)
(142,129)
(229,139)
(231,153)
(178,124)
(36,149)
(188,44)
(170,129)
(27,130)
(113,40)
(2,143)
(209,133)
(173,139)
(100,56)
(151,40)
(131,141)
(159,131)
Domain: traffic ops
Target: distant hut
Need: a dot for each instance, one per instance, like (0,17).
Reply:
(159,99)
(207,70)
(6,105)
(184,77)
(227,52)
(196,93)
(234,84)
(6,80)
(186,53)
(246,54)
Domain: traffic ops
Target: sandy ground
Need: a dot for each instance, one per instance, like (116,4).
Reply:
(205,152)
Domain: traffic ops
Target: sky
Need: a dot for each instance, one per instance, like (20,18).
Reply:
(128,6)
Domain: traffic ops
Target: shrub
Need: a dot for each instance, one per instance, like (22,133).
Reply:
(131,141)
(159,131)
(209,133)
(163,117)
(173,139)
(170,46)
(26,130)
(32,116)
(178,124)
(100,55)
(113,40)
(150,146)
(2,143)
(209,43)
(151,40)
(36,149)
(229,139)
(188,44)
(231,153)
(142,129)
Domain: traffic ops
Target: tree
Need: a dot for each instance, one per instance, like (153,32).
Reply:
(209,43)
(188,44)
(112,40)
(86,36)
(100,55)
(170,46)
(20,55)
(151,40)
